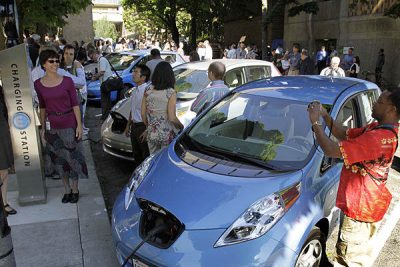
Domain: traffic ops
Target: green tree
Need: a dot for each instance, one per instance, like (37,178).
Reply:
(165,10)
(43,15)
(138,22)
(106,29)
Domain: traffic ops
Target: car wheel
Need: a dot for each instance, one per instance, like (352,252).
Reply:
(312,253)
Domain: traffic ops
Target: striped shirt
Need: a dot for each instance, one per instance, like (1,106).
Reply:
(209,95)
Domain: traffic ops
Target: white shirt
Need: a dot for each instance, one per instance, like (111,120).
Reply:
(136,102)
(152,65)
(105,66)
(328,71)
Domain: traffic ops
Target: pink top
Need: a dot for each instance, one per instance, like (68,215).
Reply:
(60,98)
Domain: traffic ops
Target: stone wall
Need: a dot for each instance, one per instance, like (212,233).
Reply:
(79,27)
(366,33)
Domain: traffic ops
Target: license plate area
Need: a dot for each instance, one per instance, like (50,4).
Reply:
(138,263)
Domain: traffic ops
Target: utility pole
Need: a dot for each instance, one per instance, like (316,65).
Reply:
(264,29)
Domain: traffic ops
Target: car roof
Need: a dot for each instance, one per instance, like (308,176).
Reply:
(304,88)
(229,63)
(145,52)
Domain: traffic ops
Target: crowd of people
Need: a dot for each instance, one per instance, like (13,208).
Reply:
(60,96)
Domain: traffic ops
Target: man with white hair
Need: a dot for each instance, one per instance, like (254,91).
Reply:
(333,70)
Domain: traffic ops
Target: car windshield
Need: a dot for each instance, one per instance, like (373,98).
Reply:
(190,81)
(271,132)
(121,61)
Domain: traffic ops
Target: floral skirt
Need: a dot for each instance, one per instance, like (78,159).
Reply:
(66,153)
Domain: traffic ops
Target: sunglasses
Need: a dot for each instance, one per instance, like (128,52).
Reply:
(52,61)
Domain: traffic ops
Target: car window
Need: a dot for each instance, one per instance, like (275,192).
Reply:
(234,78)
(143,61)
(347,117)
(121,61)
(269,130)
(258,72)
(190,80)
(367,100)
(170,58)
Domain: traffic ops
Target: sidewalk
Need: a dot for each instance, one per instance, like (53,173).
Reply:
(59,235)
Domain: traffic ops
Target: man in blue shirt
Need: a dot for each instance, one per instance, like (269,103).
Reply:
(347,60)
(321,59)
(216,90)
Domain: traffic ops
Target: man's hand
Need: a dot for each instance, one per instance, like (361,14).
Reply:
(79,132)
(314,111)
(127,131)
(143,136)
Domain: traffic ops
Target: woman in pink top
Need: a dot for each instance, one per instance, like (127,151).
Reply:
(61,124)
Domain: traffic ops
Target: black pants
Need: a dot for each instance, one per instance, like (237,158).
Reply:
(105,104)
(321,65)
(378,76)
(140,149)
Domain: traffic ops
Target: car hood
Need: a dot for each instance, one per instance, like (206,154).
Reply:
(204,200)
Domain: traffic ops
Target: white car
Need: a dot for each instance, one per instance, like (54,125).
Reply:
(191,78)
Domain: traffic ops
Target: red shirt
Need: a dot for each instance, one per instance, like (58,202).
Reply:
(60,98)
(367,151)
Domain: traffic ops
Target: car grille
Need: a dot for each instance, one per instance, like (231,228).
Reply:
(154,216)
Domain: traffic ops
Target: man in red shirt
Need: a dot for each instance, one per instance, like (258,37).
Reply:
(368,154)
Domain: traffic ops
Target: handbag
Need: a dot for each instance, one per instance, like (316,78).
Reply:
(113,83)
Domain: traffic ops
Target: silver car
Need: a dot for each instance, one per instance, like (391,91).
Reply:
(191,78)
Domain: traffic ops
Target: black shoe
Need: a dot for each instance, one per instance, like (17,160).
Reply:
(74,197)
(67,198)
(9,210)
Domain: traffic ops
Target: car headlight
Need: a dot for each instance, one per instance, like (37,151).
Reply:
(137,178)
(260,217)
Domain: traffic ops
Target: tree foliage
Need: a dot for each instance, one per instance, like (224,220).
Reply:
(165,10)
(105,29)
(394,11)
(48,13)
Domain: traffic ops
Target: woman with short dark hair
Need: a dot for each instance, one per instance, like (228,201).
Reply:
(61,122)
(159,109)
(6,153)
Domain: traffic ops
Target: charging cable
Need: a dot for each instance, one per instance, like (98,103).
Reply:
(152,233)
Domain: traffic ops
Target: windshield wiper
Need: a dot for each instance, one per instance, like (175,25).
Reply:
(243,158)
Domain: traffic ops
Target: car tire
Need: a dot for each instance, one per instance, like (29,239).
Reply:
(313,251)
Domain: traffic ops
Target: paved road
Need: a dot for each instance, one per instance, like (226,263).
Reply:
(114,173)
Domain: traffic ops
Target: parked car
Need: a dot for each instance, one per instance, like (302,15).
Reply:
(190,79)
(245,184)
(124,63)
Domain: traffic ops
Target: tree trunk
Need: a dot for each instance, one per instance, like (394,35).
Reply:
(264,30)
(193,31)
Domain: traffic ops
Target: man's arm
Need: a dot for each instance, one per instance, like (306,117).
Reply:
(330,148)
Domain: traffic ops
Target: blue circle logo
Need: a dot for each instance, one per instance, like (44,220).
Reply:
(21,120)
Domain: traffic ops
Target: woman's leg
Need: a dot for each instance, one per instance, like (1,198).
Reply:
(4,178)
(67,186)
(75,186)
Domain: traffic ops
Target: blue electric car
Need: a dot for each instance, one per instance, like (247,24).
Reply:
(245,184)
(124,63)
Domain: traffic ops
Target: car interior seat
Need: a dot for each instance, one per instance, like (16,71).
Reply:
(231,79)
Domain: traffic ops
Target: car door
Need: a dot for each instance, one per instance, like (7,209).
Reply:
(235,77)
(254,73)
(349,116)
